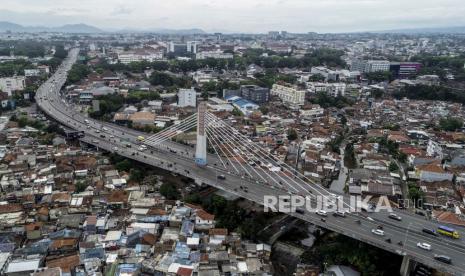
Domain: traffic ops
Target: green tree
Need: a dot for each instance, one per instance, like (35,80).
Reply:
(80,186)
(124,165)
(60,52)
(292,134)
(450,123)
(77,73)
(169,191)
(393,167)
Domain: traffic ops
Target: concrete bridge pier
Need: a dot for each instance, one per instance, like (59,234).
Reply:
(405,267)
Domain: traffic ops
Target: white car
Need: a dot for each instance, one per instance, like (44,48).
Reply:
(424,245)
(321,213)
(378,232)
(115,148)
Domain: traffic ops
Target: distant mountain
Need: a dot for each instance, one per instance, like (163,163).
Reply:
(179,32)
(69,28)
(445,30)
(84,28)
(78,28)
(161,31)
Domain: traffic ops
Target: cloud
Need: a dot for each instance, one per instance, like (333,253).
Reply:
(240,15)
(122,10)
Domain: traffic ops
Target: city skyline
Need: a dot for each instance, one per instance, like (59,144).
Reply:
(257,16)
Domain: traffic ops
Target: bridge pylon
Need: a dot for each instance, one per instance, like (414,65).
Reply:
(201,146)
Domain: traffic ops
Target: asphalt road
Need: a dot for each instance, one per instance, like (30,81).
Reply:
(408,231)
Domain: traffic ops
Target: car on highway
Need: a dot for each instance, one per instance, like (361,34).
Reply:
(321,213)
(429,231)
(222,177)
(424,245)
(378,232)
(395,216)
(443,258)
(299,211)
(339,214)
(94,142)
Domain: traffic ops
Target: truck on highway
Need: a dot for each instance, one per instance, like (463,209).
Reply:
(447,231)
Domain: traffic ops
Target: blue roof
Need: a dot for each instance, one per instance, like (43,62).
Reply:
(187,227)
(182,250)
(243,102)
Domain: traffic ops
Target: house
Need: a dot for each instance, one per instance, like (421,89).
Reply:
(204,219)
(433,172)
(142,118)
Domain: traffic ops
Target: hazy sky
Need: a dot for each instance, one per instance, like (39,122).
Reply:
(239,15)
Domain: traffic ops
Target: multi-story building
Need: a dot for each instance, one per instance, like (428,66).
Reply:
(313,112)
(403,70)
(192,47)
(291,96)
(214,54)
(187,97)
(177,48)
(255,93)
(369,66)
(333,89)
(10,84)
(328,74)
(140,55)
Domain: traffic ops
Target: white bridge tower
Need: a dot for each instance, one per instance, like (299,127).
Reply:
(201,147)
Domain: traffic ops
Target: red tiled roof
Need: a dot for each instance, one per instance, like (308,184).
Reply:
(184,271)
(204,215)
(10,208)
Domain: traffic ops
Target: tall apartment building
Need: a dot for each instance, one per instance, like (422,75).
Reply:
(187,97)
(291,96)
(10,84)
(255,93)
(192,47)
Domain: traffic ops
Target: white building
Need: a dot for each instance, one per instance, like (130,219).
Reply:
(333,89)
(214,54)
(10,84)
(187,97)
(292,97)
(32,72)
(369,66)
(203,76)
(192,47)
(315,112)
(140,55)
(328,74)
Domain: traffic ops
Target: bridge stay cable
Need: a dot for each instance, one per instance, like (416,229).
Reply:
(238,147)
(235,133)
